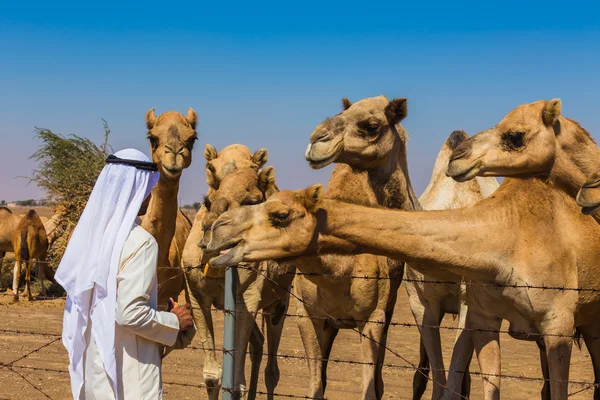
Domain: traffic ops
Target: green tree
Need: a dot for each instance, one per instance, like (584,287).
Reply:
(68,167)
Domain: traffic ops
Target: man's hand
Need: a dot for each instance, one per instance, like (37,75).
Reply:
(184,315)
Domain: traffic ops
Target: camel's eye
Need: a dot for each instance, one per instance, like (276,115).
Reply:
(279,218)
(251,202)
(191,142)
(153,141)
(207,203)
(514,140)
(369,127)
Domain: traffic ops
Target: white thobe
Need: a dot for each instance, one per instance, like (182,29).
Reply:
(139,328)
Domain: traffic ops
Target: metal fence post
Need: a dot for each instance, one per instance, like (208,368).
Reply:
(231,277)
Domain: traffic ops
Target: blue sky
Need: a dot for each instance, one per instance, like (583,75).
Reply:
(266,74)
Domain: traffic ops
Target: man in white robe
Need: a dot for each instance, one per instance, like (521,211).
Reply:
(112,329)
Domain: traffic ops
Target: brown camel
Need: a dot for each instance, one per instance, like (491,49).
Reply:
(8,225)
(520,146)
(429,302)
(206,291)
(529,234)
(172,137)
(29,243)
(368,145)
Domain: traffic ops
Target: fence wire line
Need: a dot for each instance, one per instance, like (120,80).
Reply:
(527,286)
(587,385)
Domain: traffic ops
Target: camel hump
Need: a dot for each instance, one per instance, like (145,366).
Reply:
(5,209)
(456,138)
(33,216)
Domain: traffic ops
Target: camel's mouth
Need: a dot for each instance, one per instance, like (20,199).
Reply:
(323,153)
(171,172)
(228,256)
(462,174)
(590,210)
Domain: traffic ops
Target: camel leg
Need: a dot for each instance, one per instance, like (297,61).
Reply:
(459,379)
(422,373)
(2,254)
(487,347)
(28,279)
(257,342)
(431,316)
(591,336)
(371,339)
(212,372)
(245,323)
(315,337)
(558,350)
(389,314)
(274,332)
(16,278)
(545,393)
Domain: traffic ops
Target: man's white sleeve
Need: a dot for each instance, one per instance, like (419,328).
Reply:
(134,288)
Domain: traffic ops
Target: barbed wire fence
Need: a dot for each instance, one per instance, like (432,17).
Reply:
(406,365)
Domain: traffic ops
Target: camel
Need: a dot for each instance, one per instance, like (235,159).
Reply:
(29,243)
(172,137)
(429,302)
(588,197)
(8,225)
(564,155)
(206,291)
(529,234)
(368,144)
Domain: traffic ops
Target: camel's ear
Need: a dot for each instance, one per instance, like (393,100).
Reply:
(313,197)
(396,111)
(551,112)
(346,104)
(210,153)
(211,177)
(266,182)
(192,117)
(150,119)
(260,158)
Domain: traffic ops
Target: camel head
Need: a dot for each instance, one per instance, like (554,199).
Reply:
(523,143)
(588,197)
(362,135)
(242,187)
(283,226)
(172,137)
(231,158)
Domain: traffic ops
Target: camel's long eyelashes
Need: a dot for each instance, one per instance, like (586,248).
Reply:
(207,203)
(513,140)
(153,141)
(279,219)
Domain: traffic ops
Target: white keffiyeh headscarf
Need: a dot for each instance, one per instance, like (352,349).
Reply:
(88,269)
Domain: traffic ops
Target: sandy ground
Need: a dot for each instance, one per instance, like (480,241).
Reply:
(185,367)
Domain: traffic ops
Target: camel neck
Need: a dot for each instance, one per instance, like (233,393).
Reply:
(161,216)
(461,240)
(577,157)
(387,184)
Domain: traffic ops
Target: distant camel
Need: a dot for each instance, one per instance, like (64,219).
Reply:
(30,243)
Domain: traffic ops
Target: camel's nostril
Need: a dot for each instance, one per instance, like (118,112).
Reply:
(323,136)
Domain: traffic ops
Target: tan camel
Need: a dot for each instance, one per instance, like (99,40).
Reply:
(29,243)
(172,137)
(589,194)
(519,146)
(207,291)
(429,302)
(368,145)
(529,234)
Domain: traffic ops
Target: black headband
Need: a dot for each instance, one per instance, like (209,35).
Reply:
(143,165)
